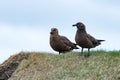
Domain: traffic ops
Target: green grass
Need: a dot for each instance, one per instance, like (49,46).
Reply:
(101,65)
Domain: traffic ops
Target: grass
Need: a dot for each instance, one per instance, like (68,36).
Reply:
(101,65)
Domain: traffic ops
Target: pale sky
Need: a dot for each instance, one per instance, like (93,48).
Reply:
(25,24)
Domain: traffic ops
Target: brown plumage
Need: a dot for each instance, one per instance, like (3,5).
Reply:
(60,43)
(85,40)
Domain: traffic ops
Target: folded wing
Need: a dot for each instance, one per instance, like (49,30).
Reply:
(69,43)
(95,42)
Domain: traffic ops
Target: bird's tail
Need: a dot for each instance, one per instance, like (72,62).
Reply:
(75,46)
(100,40)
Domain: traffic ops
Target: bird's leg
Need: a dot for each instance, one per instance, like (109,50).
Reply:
(87,55)
(82,50)
(88,52)
(59,53)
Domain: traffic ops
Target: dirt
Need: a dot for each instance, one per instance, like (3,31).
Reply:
(10,65)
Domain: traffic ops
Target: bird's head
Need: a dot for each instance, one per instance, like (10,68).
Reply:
(54,31)
(79,25)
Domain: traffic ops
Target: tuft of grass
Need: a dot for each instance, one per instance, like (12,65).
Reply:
(101,65)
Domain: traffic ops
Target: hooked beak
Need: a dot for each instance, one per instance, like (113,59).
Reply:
(74,25)
(51,32)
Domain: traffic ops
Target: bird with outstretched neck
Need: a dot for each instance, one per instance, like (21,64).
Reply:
(60,43)
(85,40)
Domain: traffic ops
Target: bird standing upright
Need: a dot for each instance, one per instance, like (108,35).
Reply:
(85,40)
(60,43)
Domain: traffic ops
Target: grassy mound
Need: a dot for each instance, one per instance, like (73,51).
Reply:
(100,65)
(10,65)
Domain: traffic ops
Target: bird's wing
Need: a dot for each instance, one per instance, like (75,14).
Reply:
(66,41)
(92,39)
(96,42)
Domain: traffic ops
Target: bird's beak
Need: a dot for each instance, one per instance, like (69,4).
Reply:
(74,25)
(51,32)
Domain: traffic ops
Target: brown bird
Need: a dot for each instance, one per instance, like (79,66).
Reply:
(60,43)
(85,40)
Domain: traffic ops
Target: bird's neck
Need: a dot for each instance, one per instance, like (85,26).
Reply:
(55,35)
(81,31)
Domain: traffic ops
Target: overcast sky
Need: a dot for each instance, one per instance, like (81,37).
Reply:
(25,24)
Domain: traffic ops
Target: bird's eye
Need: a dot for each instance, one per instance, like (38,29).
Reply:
(81,24)
(54,29)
